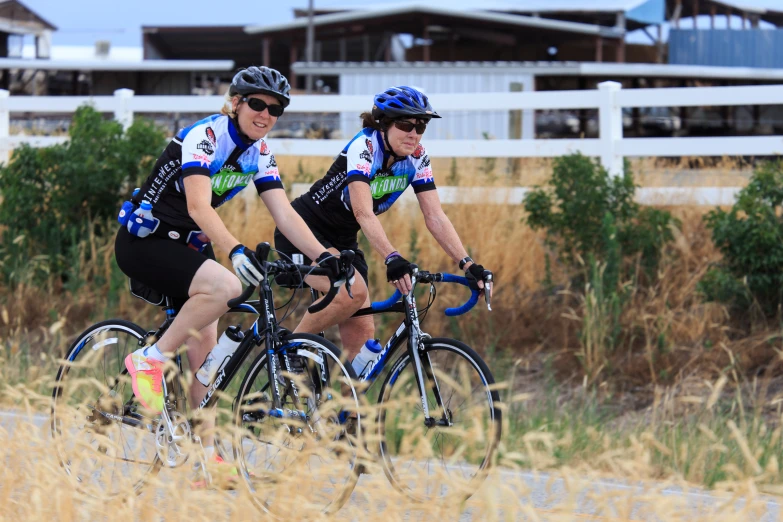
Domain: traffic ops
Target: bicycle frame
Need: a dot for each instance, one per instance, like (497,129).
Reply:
(409,329)
(268,334)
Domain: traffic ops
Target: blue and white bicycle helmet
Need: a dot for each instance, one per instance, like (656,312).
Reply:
(402,102)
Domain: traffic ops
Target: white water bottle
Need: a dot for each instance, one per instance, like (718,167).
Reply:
(368,353)
(220,354)
(141,223)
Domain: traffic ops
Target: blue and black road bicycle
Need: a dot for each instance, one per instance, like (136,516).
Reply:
(438,421)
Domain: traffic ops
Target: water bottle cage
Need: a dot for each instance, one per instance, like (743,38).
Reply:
(128,208)
(194,241)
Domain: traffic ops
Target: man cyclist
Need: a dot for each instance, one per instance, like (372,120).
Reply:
(204,166)
(369,175)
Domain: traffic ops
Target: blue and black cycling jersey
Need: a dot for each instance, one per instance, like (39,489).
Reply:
(363,160)
(210,147)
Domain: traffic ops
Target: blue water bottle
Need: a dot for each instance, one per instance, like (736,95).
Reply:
(368,353)
(141,222)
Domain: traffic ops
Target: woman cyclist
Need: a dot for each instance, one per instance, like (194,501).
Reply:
(368,176)
(204,166)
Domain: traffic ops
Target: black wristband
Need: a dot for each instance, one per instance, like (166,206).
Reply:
(234,250)
(464,261)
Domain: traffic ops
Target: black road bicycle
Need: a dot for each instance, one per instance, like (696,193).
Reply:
(288,411)
(439,421)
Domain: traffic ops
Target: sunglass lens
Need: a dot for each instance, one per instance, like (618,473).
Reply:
(259,105)
(406,126)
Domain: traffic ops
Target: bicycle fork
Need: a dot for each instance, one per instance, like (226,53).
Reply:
(423,367)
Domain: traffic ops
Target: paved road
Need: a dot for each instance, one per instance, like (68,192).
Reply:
(521,495)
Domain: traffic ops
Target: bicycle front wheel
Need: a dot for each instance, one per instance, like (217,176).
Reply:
(447,455)
(299,458)
(104,443)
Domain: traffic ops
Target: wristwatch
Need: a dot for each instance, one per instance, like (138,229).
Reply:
(464,261)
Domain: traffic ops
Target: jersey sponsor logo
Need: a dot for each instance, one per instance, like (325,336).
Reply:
(173,234)
(363,167)
(426,161)
(382,186)
(273,173)
(207,147)
(424,175)
(418,152)
(211,136)
(369,145)
(202,158)
(263,149)
(226,180)
(366,156)
(272,163)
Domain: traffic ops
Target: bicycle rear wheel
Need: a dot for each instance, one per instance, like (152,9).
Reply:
(304,462)
(449,456)
(104,443)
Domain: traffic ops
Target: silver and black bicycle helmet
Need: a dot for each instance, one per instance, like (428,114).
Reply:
(261,80)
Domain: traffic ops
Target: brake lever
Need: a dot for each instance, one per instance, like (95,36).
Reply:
(488,291)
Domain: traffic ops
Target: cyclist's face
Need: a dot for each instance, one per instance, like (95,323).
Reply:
(404,143)
(255,124)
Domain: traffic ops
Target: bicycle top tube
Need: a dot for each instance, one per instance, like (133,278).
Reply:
(426,277)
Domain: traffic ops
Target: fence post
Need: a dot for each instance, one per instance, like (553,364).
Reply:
(122,110)
(5,127)
(610,125)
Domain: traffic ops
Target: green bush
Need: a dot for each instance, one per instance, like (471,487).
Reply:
(51,195)
(750,237)
(588,214)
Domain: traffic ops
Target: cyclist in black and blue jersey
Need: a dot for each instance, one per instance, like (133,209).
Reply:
(365,180)
(203,167)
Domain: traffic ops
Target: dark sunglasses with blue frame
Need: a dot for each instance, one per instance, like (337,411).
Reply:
(258,105)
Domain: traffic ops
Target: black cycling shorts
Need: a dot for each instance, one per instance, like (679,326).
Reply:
(162,264)
(327,240)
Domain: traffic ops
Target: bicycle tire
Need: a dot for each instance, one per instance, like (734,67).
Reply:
(398,421)
(264,476)
(78,379)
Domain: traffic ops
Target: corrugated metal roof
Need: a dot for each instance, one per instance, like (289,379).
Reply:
(427,8)
(641,70)
(522,6)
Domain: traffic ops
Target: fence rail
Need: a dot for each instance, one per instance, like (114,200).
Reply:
(611,147)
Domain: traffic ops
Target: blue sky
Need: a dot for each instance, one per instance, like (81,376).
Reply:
(82,22)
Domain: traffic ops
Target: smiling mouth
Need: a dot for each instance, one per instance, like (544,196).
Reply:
(260,125)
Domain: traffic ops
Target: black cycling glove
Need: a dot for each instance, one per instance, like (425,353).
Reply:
(397,267)
(474,274)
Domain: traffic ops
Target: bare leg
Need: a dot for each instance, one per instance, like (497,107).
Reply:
(210,290)
(355,331)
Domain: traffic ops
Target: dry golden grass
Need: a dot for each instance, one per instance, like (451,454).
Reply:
(698,412)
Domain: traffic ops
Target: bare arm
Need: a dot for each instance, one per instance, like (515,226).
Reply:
(198,193)
(440,225)
(361,202)
(291,224)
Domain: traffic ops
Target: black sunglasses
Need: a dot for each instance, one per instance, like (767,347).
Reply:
(258,105)
(406,126)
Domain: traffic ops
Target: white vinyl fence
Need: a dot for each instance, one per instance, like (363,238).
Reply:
(611,147)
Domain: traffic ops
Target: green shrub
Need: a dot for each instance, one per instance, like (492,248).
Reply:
(750,237)
(50,195)
(589,214)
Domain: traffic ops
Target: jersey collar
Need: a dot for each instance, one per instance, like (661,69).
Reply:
(237,136)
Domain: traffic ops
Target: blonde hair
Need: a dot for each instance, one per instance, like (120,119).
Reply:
(227,109)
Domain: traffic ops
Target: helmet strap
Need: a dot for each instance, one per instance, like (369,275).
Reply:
(388,145)
(244,137)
